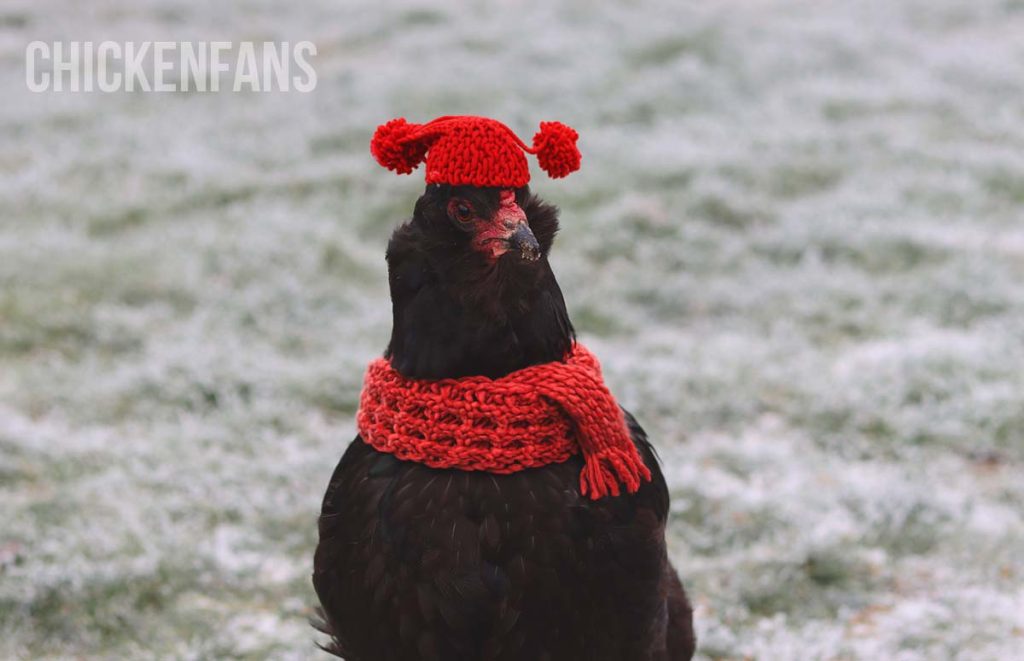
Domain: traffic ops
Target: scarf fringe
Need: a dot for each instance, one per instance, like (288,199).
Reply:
(603,472)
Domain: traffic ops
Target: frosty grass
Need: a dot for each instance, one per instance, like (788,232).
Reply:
(795,243)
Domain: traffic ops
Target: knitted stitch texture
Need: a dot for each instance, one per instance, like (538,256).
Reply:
(474,151)
(533,417)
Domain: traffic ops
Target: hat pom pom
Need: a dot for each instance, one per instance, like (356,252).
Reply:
(395,147)
(555,145)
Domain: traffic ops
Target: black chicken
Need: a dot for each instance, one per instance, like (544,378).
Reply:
(417,563)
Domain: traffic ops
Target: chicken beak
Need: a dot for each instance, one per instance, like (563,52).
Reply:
(512,229)
(525,242)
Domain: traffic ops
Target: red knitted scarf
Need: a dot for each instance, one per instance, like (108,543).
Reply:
(533,417)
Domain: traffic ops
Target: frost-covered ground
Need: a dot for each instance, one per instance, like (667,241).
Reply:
(796,244)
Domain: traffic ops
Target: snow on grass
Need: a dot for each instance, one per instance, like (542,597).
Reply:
(795,243)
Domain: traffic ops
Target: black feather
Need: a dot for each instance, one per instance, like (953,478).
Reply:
(418,563)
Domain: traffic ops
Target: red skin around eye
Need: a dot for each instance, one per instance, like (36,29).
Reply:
(491,237)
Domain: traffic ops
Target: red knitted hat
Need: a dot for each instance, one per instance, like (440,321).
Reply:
(474,151)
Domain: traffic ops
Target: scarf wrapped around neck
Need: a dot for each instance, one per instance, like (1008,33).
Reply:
(539,415)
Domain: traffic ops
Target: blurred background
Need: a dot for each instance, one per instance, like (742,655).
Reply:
(795,243)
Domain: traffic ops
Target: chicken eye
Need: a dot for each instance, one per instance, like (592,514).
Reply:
(463,212)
